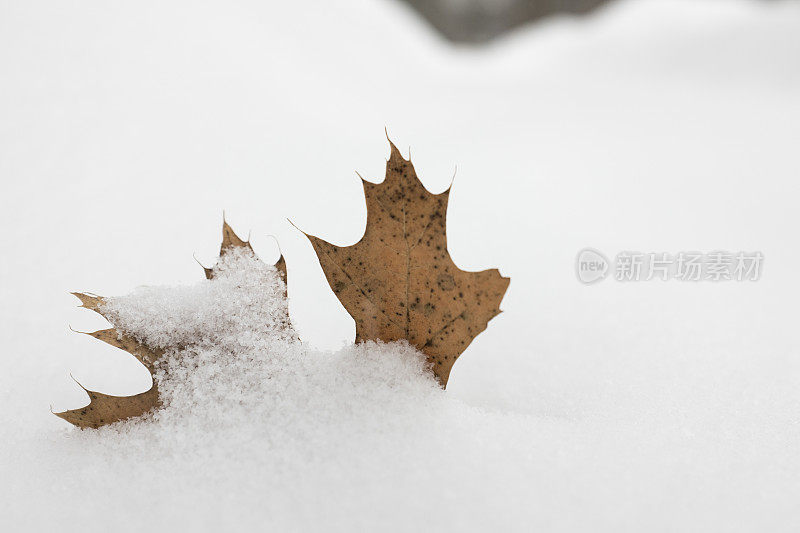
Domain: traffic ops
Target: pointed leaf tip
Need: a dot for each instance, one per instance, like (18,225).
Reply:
(229,237)
(104,409)
(394,152)
(90,301)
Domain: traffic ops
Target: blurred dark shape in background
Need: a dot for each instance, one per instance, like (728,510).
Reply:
(478,21)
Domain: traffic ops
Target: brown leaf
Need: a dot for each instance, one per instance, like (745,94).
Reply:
(104,409)
(399,282)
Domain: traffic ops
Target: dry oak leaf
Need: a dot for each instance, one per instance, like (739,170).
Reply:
(399,282)
(105,409)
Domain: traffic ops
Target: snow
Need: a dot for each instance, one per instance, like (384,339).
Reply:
(243,395)
(653,125)
(245,297)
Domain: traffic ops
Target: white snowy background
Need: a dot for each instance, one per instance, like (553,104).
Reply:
(653,125)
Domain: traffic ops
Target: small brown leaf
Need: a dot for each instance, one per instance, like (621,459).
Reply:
(104,409)
(399,282)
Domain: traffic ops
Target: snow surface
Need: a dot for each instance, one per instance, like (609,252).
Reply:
(244,394)
(653,125)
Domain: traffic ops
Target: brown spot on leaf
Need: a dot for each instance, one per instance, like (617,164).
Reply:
(446,282)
